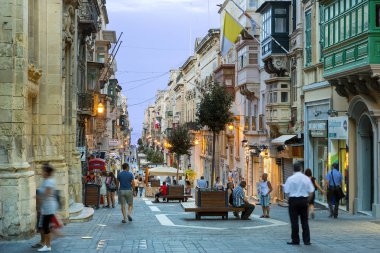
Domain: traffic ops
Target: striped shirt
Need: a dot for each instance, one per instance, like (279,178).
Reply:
(238,196)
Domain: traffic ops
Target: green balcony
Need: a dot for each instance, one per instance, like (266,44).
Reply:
(350,36)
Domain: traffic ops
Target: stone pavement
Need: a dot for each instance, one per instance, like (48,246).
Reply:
(164,227)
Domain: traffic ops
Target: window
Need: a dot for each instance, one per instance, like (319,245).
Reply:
(267,27)
(284,97)
(308,45)
(280,25)
(377,15)
(365,15)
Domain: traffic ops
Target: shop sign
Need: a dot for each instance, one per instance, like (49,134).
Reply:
(338,127)
(318,129)
(113,143)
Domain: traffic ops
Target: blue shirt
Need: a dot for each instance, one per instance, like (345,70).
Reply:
(337,177)
(125,178)
(202,184)
(238,196)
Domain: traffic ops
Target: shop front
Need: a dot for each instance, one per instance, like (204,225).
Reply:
(338,151)
(316,141)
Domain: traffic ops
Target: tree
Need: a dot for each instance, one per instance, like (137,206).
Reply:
(155,157)
(214,112)
(179,142)
(140,145)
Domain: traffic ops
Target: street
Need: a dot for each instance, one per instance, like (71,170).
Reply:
(165,227)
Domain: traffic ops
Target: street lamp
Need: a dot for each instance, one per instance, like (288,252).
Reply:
(100,108)
(230,127)
(196,141)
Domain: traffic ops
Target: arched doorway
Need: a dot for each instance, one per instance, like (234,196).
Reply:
(365,163)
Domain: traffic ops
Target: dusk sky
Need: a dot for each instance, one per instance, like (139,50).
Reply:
(158,35)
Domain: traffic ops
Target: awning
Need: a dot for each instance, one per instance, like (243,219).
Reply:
(165,171)
(282,139)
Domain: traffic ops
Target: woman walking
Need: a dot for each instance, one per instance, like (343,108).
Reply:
(312,198)
(111,188)
(141,186)
(103,189)
(49,205)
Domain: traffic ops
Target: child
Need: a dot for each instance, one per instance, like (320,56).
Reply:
(265,188)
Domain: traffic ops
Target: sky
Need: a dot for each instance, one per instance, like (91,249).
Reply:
(158,35)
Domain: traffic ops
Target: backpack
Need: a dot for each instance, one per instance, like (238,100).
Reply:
(112,185)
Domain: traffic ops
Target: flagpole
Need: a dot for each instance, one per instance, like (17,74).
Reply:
(254,22)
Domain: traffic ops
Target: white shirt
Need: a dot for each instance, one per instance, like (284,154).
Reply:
(298,185)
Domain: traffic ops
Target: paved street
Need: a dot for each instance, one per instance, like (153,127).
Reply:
(165,227)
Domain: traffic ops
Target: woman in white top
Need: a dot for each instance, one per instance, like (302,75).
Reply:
(103,188)
(265,188)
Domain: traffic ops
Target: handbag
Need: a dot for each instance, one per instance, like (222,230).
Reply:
(338,192)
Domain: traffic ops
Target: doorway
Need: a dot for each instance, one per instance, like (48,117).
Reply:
(365,164)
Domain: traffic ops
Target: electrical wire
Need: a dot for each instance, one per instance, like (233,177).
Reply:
(154,48)
(141,85)
(144,79)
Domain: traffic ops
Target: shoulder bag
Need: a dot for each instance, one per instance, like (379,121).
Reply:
(337,189)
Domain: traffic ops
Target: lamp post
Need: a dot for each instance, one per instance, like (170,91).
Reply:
(100,107)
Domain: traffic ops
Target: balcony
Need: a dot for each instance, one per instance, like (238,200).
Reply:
(88,16)
(225,75)
(275,35)
(85,103)
(350,46)
(278,109)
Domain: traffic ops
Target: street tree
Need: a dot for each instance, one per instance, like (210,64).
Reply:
(180,142)
(214,112)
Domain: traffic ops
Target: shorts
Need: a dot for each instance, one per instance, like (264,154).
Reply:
(126,197)
(265,200)
(46,223)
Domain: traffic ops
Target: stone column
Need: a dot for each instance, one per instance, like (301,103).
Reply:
(17,183)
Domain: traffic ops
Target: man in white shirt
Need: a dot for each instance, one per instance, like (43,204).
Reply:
(299,188)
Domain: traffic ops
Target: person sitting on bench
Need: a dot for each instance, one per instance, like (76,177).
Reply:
(163,192)
(240,200)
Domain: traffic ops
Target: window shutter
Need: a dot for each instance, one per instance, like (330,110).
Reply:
(308,37)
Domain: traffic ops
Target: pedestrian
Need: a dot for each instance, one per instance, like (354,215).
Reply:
(201,183)
(49,206)
(218,185)
(316,187)
(333,184)
(136,187)
(141,186)
(265,188)
(103,188)
(187,189)
(240,200)
(111,189)
(126,185)
(299,188)
(162,192)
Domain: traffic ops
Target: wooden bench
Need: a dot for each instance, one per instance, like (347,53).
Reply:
(209,211)
(210,203)
(176,192)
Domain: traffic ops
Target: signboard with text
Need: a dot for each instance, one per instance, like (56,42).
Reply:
(318,128)
(338,127)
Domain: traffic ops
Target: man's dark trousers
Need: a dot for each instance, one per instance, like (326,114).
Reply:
(298,207)
(248,210)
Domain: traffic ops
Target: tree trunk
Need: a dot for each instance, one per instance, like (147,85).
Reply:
(213,160)
(177,168)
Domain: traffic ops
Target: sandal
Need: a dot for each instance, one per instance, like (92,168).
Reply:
(267,216)
(262,216)
(37,245)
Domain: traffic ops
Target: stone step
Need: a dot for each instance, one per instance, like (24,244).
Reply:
(85,215)
(75,209)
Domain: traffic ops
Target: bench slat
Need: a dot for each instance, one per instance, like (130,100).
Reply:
(192,207)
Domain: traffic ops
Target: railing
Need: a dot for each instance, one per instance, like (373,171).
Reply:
(85,102)
(88,15)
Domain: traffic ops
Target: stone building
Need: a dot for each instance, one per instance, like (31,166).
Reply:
(44,55)
(38,108)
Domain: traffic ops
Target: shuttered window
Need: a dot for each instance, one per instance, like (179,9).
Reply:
(308,38)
